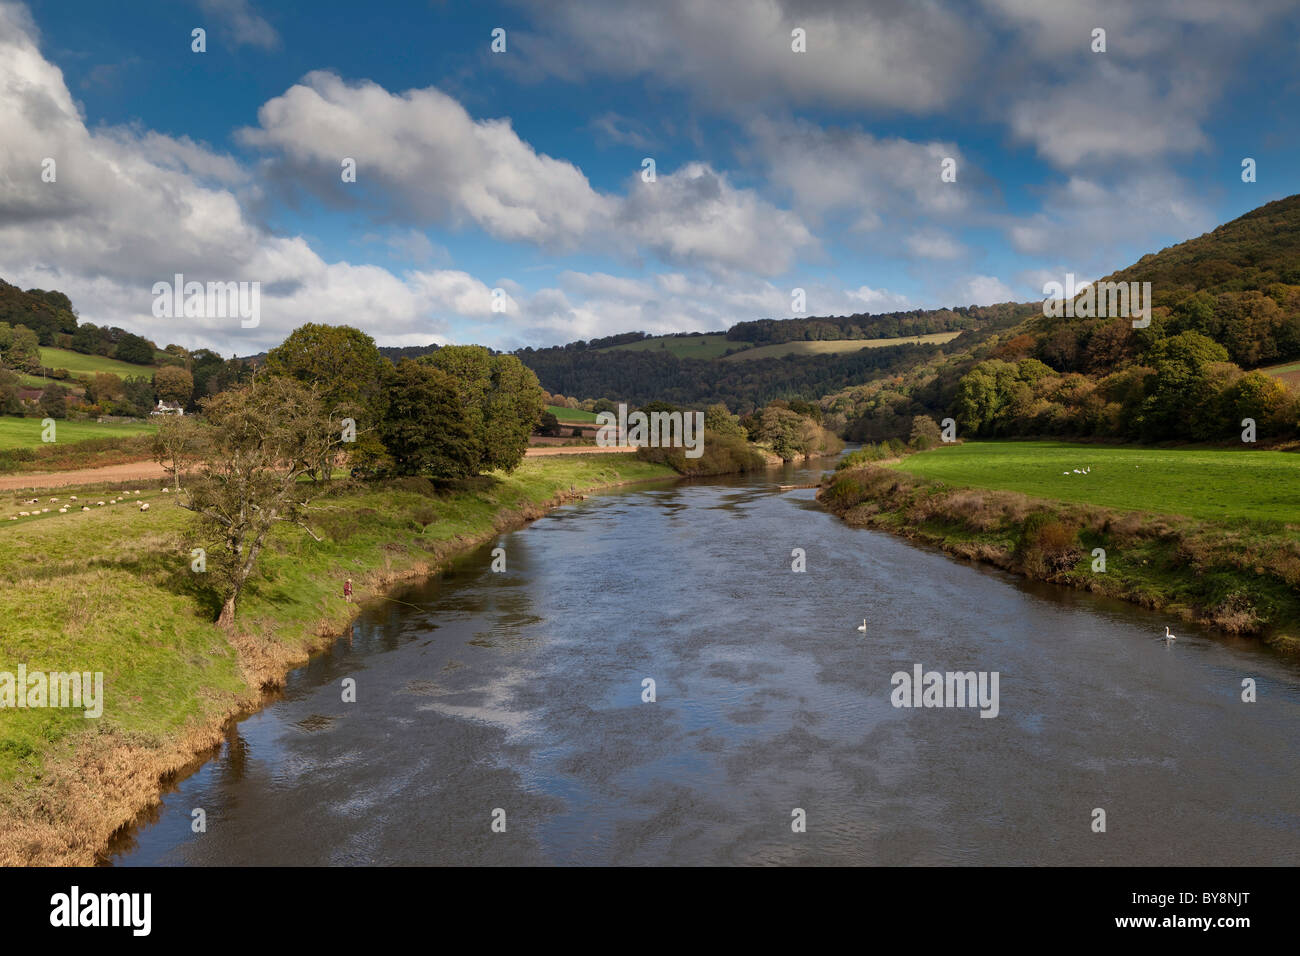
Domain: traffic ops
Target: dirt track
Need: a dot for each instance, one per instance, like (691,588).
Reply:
(152,471)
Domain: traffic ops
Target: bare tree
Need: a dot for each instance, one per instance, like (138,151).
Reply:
(177,445)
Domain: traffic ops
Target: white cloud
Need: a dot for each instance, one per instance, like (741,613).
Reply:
(242,23)
(873,182)
(737,53)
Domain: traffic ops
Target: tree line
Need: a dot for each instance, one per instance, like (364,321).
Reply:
(326,399)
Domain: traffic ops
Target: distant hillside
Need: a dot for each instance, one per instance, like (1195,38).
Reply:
(1223,302)
(1249,253)
(793,358)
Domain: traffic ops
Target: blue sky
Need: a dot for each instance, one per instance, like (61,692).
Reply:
(521,171)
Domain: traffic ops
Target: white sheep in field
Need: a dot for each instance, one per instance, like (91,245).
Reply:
(54,499)
(45,510)
(99,504)
(144,506)
(63,510)
(85,507)
(23,514)
(72,498)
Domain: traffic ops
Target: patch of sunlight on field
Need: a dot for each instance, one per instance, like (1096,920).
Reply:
(838,346)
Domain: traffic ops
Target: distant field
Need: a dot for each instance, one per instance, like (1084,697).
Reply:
(1289,373)
(836,346)
(26,432)
(571,414)
(79,364)
(1210,484)
(688,346)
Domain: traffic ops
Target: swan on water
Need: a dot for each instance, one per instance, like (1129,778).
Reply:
(863,626)
(1168,636)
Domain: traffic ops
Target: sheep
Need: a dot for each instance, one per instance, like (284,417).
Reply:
(63,510)
(85,507)
(73,498)
(144,506)
(99,504)
(23,514)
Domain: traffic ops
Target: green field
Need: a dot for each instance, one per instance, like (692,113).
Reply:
(1289,373)
(1214,484)
(571,414)
(26,432)
(87,365)
(835,346)
(682,346)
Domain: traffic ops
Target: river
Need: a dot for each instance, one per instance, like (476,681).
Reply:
(517,697)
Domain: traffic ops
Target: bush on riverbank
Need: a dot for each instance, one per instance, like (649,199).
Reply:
(722,455)
(1242,577)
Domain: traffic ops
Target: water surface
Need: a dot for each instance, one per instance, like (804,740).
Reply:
(522,691)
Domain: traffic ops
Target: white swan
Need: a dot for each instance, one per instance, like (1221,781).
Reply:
(863,626)
(1168,636)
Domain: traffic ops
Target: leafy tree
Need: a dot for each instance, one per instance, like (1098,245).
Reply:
(138,392)
(1182,387)
(54,401)
(135,349)
(502,401)
(550,425)
(173,384)
(424,429)
(86,339)
(344,367)
(1255,395)
(105,387)
(925,432)
(259,441)
(719,420)
(341,362)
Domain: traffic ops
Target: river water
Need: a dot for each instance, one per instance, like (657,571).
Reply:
(517,696)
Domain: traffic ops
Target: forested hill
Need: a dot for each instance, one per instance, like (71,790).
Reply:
(1253,251)
(1224,303)
(45,313)
(598,369)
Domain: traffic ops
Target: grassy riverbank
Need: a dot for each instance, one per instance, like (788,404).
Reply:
(111,590)
(1179,553)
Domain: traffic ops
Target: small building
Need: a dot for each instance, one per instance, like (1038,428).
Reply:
(168,408)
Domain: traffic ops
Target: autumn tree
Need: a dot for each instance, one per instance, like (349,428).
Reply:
(259,441)
(343,366)
(173,384)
